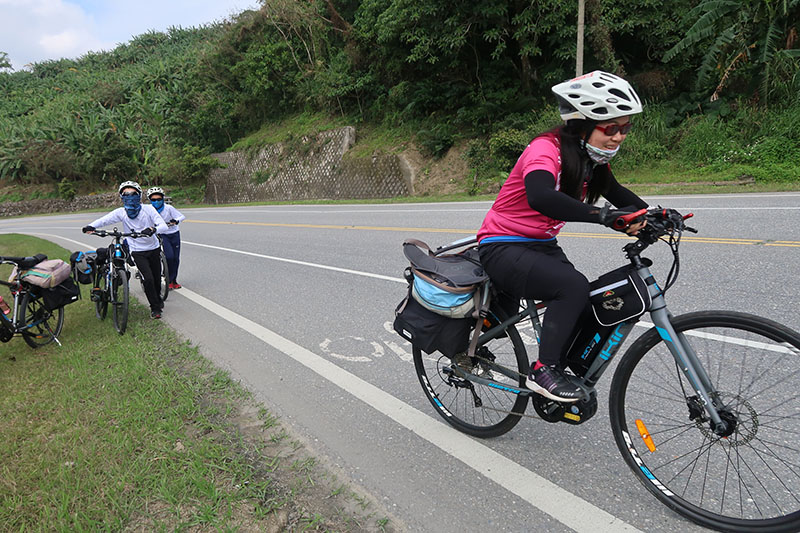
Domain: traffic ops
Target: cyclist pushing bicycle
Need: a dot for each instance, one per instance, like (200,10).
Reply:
(146,251)
(171,239)
(556,180)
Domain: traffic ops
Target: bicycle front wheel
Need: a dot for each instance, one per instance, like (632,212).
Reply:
(164,277)
(42,326)
(119,299)
(101,296)
(748,480)
(478,409)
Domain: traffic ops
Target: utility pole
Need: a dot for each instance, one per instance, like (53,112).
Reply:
(579,58)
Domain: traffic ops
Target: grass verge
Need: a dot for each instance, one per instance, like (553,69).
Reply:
(141,433)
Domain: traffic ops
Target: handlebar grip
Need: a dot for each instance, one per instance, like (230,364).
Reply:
(623,221)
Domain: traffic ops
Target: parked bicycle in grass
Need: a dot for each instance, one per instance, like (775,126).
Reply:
(111,279)
(35,313)
(703,406)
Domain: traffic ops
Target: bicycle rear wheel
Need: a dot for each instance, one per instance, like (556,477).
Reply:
(746,481)
(42,326)
(475,408)
(101,303)
(119,299)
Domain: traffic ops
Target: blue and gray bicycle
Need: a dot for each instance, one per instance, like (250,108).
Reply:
(704,407)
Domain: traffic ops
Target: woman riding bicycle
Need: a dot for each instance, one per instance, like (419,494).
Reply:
(556,180)
(145,251)
(171,238)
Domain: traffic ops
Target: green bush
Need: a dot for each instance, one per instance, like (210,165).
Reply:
(505,146)
(180,165)
(66,189)
(437,140)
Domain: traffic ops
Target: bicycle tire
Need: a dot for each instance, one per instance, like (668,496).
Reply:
(748,481)
(46,324)
(120,299)
(101,305)
(452,398)
(164,277)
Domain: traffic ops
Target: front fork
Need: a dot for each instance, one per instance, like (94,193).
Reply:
(685,356)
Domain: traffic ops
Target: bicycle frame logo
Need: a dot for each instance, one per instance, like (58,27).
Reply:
(612,344)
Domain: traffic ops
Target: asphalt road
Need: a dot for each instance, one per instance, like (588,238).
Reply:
(297,303)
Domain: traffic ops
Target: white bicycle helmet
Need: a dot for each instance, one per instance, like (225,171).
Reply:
(596,96)
(155,190)
(126,184)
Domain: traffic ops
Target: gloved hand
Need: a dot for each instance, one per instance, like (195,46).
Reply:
(148,231)
(173,222)
(621,219)
(87,229)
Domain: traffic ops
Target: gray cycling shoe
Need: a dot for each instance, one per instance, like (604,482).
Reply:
(551,383)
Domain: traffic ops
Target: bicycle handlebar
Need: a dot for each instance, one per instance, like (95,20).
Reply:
(662,221)
(118,234)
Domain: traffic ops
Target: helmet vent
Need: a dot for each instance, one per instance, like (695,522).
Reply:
(617,92)
(598,85)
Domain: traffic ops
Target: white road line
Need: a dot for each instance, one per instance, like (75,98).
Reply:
(570,510)
(284,210)
(296,262)
(81,244)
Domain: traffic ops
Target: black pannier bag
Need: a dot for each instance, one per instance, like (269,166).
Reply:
(62,294)
(83,266)
(618,296)
(431,332)
(102,256)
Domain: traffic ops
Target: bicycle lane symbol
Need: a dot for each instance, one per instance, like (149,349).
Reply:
(360,350)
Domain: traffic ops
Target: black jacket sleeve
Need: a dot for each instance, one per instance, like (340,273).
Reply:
(540,188)
(621,196)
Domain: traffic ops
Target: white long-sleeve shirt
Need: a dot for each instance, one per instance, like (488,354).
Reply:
(170,213)
(148,217)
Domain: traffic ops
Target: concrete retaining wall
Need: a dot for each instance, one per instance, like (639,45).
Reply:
(56,205)
(308,169)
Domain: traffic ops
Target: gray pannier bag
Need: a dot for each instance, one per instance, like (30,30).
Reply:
(448,295)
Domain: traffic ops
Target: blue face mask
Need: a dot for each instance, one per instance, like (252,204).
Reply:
(158,204)
(133,204)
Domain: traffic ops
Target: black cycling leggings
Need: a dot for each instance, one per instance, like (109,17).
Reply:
(541,271)
(149,265)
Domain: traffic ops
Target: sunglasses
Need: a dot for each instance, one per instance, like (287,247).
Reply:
(129,195)
(613,129)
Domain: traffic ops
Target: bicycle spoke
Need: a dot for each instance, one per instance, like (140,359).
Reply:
(751,474)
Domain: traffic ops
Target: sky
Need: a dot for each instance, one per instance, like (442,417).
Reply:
(37,30)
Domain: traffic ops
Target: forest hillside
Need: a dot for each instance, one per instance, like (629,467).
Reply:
(721,80)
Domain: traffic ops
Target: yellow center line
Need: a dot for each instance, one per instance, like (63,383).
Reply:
(704,240)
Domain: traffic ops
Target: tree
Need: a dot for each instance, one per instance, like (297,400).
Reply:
(741,39)
(5,63)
